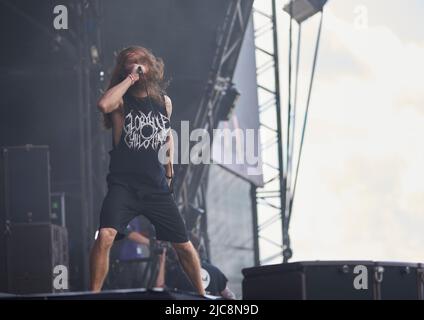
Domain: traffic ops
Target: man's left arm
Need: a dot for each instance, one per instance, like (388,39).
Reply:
(170,141)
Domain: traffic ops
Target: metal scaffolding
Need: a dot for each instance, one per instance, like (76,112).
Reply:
(93,144)
(271,197)
(191,180)
(275,200)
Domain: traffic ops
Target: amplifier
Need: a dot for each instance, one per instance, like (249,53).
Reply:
(24,193)
(334,280)
(25,179)
(33,252)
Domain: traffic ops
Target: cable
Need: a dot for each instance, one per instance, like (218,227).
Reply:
(306,114)
(290,82)
(290,148)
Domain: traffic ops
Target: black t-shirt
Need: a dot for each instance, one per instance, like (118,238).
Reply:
(213,279)
(145,131)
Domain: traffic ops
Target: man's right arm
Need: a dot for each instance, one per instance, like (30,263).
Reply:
(112,98)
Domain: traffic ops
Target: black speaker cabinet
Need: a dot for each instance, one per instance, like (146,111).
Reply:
(25,183)
(33,251)
(334,280)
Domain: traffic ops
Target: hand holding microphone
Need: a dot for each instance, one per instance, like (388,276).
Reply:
(136,71)
(140,69)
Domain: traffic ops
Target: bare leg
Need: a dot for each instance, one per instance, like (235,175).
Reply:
(99,258)
(190,262)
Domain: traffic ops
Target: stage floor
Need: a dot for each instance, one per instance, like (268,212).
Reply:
(127,294)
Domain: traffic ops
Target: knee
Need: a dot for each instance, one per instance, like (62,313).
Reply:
(106,237)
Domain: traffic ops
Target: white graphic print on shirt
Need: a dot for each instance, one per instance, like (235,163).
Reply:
(143,130)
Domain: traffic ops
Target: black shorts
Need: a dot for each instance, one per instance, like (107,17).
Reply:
(128,197)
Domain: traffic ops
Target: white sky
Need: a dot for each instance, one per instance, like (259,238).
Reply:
(361,185)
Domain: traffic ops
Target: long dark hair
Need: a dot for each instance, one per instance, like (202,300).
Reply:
(155,82)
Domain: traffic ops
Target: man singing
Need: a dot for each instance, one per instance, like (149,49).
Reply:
(138,111)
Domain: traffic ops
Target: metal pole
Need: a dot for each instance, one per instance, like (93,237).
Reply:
(279,126)
(255,225)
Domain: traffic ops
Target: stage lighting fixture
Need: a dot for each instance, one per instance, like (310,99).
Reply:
(228,103)
(302,10)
